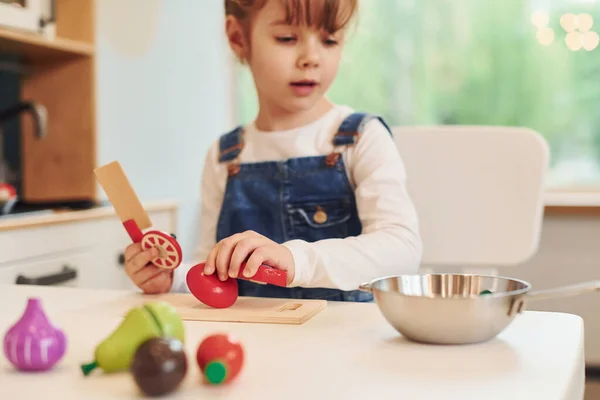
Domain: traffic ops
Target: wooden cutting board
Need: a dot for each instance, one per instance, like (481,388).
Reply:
(245,309)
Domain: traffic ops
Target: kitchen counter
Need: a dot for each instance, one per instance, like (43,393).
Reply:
(53,217)
(347,351)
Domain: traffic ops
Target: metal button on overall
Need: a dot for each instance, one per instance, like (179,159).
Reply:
(320,216)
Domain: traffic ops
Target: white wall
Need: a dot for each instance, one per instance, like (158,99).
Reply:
(162,96)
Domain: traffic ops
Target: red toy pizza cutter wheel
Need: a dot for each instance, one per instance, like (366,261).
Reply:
(169,251)
(134,217)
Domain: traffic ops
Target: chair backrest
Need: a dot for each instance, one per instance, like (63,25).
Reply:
(478,191)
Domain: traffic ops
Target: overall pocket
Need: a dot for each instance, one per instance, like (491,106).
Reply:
(313,221)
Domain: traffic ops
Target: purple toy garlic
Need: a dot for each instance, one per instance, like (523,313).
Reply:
(34,343)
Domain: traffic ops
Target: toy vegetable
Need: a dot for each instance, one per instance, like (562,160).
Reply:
(159,366)
(220,358)
(116,352)
(33,343)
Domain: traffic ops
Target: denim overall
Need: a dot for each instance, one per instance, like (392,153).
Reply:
(307,198)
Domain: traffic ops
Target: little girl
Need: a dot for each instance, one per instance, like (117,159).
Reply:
(309,187)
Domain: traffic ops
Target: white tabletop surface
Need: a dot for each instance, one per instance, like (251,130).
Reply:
(348,351)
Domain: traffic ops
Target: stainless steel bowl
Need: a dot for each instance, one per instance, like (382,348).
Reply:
(451,309)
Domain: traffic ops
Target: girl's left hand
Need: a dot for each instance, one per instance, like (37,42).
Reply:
(228,255)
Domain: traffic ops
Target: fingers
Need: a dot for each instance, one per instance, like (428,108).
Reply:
(227,256)
(211,259)
(273,255)
(139,260)
(143,273)
(154,280)
(146,274)
(220,260)
(258,257)
(224,255)
(132,250)
(209,264)
(241,252)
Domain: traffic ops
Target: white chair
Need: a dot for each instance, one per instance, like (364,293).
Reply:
(478,192)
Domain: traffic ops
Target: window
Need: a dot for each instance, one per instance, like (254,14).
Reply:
(490,62)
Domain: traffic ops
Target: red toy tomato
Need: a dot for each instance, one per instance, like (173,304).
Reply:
(209,289)
(220,358)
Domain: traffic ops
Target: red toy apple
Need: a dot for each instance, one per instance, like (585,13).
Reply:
(222,294)
(220,358)
(209,289)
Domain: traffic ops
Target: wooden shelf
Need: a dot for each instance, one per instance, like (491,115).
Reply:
(38,50)
(52,217)
(59,74)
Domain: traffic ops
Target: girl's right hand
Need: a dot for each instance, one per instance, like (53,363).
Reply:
(145,275)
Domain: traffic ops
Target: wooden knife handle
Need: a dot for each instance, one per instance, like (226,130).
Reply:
(120,193)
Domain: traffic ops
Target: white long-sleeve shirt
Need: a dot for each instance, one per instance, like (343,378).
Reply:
(390,243)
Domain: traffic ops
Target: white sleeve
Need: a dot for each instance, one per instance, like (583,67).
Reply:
(390,243)
(212,190)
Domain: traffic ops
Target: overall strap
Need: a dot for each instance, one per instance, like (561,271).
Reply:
(230,147)
(352,127)
(349,133)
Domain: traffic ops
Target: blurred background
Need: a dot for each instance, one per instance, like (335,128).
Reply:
(152,83)
(494,62)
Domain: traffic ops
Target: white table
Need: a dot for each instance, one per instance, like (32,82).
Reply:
(346,352)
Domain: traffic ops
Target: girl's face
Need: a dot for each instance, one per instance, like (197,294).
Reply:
(293,66)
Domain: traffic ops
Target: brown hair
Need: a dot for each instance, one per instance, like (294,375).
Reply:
(329,15)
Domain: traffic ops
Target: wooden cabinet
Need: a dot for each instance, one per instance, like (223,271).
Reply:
(59,167)
(74,269)
(81,248)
